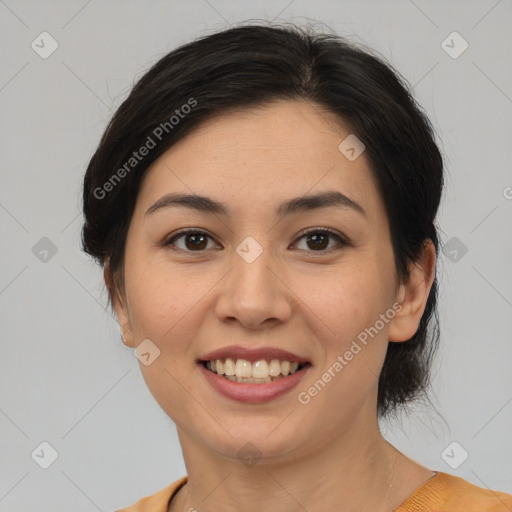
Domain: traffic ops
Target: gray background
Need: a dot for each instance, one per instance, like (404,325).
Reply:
(65,376)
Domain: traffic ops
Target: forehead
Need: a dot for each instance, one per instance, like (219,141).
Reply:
(261,156)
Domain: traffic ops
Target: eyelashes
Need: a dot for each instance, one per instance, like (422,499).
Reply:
(201,238)
(326,232)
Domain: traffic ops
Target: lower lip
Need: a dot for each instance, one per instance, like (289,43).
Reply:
(253,393)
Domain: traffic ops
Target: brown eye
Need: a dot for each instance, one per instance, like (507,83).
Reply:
(317,240)
(194,241)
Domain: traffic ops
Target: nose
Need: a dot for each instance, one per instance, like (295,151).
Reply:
(254,293)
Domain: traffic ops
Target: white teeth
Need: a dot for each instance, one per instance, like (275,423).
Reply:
(241,370)
(229,367)
(260,369)
(274,368)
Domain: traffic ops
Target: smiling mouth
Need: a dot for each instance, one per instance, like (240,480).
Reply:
(262,371)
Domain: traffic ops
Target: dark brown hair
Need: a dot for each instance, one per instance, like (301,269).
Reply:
(248,66)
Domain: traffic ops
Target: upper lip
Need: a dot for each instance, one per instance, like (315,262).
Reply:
(253,354)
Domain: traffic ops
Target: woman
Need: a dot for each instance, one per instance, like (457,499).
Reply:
(263,204)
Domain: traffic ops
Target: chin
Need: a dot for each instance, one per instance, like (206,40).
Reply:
(255,437)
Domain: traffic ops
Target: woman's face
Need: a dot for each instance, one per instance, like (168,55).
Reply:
(250,277)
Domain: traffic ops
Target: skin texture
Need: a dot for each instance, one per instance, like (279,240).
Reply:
(328,454)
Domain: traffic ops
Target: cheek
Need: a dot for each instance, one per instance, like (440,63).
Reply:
(348,301)
(153,305)
(347,375)
(354,346)
(168,306)
(159,296)
(163,309)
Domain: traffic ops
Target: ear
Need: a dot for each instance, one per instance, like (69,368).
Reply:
(120,307)
(413,296)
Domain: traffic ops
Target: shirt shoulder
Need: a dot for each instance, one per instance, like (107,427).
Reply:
(158,502)
(448,493)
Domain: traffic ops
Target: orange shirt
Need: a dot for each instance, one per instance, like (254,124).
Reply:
(441,493)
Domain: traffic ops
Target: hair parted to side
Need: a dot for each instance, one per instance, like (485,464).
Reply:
(248,66)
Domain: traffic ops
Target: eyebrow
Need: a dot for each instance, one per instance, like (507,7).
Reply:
(288,207)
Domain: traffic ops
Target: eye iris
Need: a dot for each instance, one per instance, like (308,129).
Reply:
(200,241)
(316,238)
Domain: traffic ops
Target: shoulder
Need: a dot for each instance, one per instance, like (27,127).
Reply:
(460,492)
(448,493)
(158,502)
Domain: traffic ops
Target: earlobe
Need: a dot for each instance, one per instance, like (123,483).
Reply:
(119,307)
(413,296)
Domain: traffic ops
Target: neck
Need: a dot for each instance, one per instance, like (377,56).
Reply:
(356,471)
